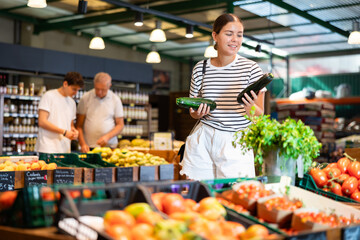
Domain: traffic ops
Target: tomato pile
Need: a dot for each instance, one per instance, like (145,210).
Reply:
(252,191)
(322,218)
(229,204)
(281,203)
(341,178)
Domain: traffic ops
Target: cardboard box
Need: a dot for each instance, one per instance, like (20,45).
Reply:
(281,217)
(315,201)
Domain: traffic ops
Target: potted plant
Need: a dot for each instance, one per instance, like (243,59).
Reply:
(286,141)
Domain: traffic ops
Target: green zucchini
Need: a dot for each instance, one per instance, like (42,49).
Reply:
(187,102)
(256,86)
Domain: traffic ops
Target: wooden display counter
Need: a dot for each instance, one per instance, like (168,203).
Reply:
(49,233)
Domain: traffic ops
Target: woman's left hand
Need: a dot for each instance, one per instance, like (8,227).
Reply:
(248,101)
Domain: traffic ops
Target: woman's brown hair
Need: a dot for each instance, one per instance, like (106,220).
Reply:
(222,20)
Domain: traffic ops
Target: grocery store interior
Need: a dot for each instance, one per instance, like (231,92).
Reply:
(312,47)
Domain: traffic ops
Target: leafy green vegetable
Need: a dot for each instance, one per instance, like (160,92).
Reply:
(292,138)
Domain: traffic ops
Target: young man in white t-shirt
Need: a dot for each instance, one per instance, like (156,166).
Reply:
(100,115)
(57,112)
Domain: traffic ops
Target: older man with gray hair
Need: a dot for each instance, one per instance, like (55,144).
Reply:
(100,115)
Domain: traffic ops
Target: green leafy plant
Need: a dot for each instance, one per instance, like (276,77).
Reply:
(291,138)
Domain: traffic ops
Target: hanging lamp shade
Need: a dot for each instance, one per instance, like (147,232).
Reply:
(157,35)
(139,18)
(354,37)
(97,43)
(153,56)
(210,51)
(189,31)
(37,3)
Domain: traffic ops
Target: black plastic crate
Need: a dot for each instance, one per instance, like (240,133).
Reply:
(115,196)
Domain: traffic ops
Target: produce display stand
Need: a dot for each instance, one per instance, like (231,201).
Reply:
(309,199)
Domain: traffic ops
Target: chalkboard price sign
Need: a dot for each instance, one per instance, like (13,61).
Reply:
(147,173)
(103,175)
(64,176)
(124,174)
(35,178)
(7,181)
(166,172)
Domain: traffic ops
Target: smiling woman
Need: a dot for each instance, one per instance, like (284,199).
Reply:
(209,152)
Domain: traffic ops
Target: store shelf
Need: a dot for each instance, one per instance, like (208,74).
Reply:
(21,97)
(335,101)
(19,135)
(19,153)
(21,115)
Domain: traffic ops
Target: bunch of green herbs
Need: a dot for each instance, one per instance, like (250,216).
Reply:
(290,138)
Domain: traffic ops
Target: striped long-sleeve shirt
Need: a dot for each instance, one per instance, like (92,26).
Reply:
(222,85)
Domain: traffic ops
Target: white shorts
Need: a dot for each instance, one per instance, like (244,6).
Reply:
(209,154)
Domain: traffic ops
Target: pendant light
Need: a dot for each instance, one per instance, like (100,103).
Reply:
(37,3)
(139,18)
(189,31)
(157,35)
(210,51)
(97,43)
(354,37)
(153,56)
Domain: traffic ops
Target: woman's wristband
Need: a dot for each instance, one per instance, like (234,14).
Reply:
(64,133)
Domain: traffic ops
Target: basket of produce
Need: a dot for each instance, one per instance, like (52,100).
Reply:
(339,181)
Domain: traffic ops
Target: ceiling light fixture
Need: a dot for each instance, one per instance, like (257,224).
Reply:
(258,48)
(97,43)
(189,31)
(210,51)
(354,37)
(157,35)
(37,3)
(139,18)
(82,7)
(153,56)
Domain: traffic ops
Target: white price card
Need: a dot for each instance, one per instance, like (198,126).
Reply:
(163,141)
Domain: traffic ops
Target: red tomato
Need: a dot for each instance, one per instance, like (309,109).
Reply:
(349,186)
(342,178)
(356,196)
(354,169)
(332,165)
(336,188)
(343,163)
(319,177)
(119,217)
(173,202)
(157,200)
(119,232)
(333,173)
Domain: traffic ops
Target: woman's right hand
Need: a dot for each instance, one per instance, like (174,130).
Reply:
(200,112)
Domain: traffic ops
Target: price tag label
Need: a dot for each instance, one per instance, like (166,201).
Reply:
(124,174)
(7,181)
(35,178)
(147,173)
(166,172)
(103,175)
(64,176)
(163,141)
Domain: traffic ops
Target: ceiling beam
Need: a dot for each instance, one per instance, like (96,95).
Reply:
(308,16)
(325,54)
(310,44)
